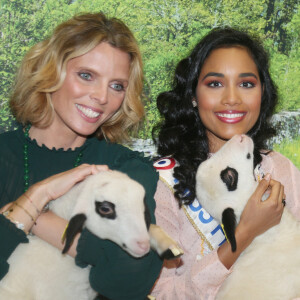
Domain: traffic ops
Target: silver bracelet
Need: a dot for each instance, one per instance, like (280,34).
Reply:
(18,224)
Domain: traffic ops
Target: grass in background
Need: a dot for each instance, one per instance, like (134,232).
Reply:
(290,149)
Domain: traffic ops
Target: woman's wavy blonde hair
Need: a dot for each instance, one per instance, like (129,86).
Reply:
(43,71)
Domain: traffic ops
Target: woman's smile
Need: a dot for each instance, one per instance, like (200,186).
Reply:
(228,94)
(90,114)
(230,116)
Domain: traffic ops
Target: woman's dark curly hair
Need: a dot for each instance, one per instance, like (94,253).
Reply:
(182,134)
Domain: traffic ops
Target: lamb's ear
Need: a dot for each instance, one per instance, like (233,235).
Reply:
(229,223)
(147,215)
(75,225)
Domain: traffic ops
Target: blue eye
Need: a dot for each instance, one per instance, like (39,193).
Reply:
(118,87)
(85,76)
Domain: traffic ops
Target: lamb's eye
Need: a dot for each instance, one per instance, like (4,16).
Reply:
(105,209)
(230,177)
(248,156)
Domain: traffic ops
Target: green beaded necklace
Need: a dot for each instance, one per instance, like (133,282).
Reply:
(26,165)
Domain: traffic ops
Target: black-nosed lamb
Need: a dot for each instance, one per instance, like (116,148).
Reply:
(109,204)
(270,267)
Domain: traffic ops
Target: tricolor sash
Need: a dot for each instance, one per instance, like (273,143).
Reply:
(207,227)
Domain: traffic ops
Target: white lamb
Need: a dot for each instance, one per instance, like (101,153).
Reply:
(111,206)
(270,267)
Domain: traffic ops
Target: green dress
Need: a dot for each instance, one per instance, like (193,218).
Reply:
(114,273)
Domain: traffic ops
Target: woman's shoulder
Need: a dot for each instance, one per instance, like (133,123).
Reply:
(121,158)
(110,149)
(280,168)
(120,151)
(275,160)
(165,167)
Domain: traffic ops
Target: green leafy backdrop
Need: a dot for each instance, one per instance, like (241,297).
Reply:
(166,31)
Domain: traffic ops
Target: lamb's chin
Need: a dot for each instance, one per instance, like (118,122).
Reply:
(137,254)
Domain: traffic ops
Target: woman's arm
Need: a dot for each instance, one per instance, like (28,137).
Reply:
(28,208)
(195,276)
(58,185)
(115,274)
(53,236)
(258,216)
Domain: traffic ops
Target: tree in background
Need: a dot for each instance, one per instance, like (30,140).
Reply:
(23,24)
(166,31)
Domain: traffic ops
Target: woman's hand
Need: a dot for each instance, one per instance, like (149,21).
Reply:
(258,216)
(28,207)
(57,185)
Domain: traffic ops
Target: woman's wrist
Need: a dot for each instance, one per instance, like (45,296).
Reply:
(244,237)
(21,214)
(50,228)
(25,211)
(37,195)
(243,240)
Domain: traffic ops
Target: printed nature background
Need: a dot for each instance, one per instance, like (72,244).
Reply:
(166,30)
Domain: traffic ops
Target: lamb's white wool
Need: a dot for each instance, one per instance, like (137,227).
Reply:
(127,227)
(109,204)
(212,191)
(270,267)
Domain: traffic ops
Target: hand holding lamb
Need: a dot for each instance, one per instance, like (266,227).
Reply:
(270,267)
(110,205)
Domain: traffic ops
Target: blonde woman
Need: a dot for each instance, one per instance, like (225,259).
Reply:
(76,95)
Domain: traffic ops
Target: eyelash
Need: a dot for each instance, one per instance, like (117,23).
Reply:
(248,83)
(118,87)
(82,74)
(216,84)
(213,84)
(121,89)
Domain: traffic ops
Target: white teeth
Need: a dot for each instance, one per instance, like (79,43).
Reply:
(230,116)
(87,111)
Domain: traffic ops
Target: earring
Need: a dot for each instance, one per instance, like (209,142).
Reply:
(194,103)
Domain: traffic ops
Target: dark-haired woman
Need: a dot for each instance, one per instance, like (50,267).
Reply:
(223,88)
